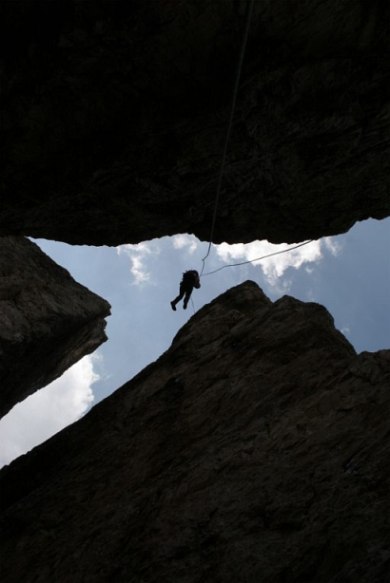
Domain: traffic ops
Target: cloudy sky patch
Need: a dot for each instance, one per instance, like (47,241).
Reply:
(48,411)
(139,255)
(272,267)
(190,242)
(333,245)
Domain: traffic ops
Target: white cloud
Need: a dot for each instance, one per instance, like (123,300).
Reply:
(138,270)
(47,411)
(139,255)
(182,241)
(332,245)
(272,267)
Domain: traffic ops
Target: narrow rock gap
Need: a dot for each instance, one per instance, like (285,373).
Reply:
(348,274)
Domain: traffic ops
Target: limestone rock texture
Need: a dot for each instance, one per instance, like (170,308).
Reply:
(47,320)
(114,115)
(256,449)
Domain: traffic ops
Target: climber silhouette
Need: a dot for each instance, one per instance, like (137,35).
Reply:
(187,284)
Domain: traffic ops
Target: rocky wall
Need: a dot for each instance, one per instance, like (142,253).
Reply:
(255,449)
(47,320)
(114,116)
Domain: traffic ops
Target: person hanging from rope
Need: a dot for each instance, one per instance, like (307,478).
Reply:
(189,281)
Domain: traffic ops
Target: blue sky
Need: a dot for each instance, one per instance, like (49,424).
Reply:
(348,274)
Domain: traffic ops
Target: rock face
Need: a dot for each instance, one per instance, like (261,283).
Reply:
(47,320)
(114,116)
(255,449)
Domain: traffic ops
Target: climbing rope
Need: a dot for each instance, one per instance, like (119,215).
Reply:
(229,129)
(259,258)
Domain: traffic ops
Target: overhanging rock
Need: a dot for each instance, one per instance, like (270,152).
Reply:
(114,116)
(47,320)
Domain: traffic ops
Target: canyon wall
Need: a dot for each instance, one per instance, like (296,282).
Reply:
(47,320)
(255,449)
(114,116)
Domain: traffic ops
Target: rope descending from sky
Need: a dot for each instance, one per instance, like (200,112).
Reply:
(259,258)
(229,129)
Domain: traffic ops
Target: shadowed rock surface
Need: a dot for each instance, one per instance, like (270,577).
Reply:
(47,320)
(114,115)
(255,449)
